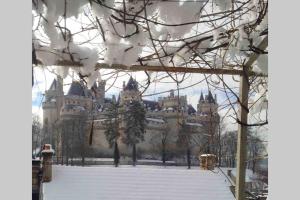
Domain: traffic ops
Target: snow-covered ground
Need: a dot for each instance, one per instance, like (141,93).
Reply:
(136,183)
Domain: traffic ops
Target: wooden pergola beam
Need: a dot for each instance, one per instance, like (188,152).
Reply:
(225,71)
(161,68)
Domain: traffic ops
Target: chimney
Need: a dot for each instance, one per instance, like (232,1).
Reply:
(47,162)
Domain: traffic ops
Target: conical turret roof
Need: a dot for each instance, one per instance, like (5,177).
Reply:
(53,85)
(210,97)
(76,89)
(201,97)
(131,85)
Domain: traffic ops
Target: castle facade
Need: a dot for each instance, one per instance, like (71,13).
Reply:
(167,113)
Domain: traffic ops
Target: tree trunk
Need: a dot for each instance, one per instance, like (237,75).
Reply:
(133,154)
(116,154)
(163,156)
(188,156)
(67,156)
(82,161)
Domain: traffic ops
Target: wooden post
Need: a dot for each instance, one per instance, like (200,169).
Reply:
(242,136)
(242,128)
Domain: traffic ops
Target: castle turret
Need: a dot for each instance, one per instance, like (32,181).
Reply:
(207,105)
(130,92)
(100,92)
(51,106)
(201,98)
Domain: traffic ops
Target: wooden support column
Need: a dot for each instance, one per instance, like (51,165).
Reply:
(242,136)
(242,128)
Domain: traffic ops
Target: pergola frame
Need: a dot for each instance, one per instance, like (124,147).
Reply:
(243,96)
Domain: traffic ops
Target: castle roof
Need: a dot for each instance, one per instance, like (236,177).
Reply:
(107,100)
(210,97)
(53,85)
(76,89)
(201,97)
(191,109)
(131,85)
(151,104)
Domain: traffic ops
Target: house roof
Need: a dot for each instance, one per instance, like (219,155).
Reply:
(135,183)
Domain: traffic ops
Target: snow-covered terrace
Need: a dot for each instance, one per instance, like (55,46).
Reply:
(135,183)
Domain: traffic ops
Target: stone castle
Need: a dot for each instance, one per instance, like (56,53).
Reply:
(165,114)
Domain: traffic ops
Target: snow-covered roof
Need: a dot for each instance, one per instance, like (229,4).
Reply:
(103,120)
(194,124)
(48,151)
(135,183)
(206,155)
(155,120)
(100,120)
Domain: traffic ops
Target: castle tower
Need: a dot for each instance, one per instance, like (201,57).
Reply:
(130,92)
(207,105)
(51,106)
(100,92)
(207,114)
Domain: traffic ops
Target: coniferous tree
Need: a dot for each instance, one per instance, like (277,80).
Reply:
(184,138)
(135,118)
(112,130)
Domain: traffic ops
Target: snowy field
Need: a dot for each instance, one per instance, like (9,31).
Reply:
(136,183)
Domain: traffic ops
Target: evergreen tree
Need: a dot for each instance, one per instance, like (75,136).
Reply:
(135,118)
(112,130)
(183,140)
